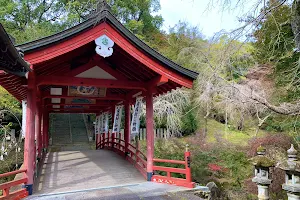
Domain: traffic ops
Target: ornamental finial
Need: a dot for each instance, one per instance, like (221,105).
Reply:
(102,5)
(292,153)
(186,148)
(261,150)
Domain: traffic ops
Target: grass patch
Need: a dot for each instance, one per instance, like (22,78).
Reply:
(217,129)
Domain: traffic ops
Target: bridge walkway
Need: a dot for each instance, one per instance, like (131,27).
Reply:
(80,170)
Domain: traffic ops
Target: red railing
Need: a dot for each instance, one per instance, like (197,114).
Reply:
(5,187)
(134,155)
(139,160)
(168,178)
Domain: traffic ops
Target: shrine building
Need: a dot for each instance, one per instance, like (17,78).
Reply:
(93,67)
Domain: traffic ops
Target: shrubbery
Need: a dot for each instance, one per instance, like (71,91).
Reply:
(275,140)
(227,164)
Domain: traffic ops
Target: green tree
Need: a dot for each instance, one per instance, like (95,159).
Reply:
(32,19)
(138,16)
(12,107)
(274,44)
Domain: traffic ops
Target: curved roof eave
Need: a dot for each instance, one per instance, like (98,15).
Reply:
(11,51)
(106,16)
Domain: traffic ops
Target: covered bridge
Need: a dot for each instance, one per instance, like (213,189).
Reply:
(89,68)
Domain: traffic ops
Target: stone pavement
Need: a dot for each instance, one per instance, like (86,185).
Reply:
(142,191)
(80,170)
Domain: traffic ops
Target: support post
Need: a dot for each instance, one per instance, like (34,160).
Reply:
(113,135)
(103,140)
(38,132)
(187,158)
(45,129)
(112,141)
(150,133)
(98,140)
(127,126)
(29,144)
(119,142)
(137,149)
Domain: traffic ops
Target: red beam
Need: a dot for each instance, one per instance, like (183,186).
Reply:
(78,109)
(64,111)
(157,81)
(79,104)
(108,97)
(75,81)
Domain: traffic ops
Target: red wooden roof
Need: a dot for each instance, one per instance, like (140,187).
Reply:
(57,59)
(11,60)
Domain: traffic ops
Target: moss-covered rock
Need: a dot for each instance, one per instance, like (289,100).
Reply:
(262,161)
(261,149)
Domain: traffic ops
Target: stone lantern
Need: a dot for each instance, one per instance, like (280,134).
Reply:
(292,174)
(262,174)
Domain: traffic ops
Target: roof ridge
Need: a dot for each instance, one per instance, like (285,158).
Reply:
(106,15)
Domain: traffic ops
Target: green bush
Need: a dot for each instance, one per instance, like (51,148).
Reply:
(238,165)
(172,150)
(189,122)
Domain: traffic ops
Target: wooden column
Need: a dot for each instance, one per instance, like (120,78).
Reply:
(29,144)
(114,135)
(45,128)
(127,126)
(112,115)
(150,134)
(100,136)
(38,133)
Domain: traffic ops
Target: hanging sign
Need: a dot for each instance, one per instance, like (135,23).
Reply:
(117,119)
(24,108)
(135,122)
(104,46)
(105,123)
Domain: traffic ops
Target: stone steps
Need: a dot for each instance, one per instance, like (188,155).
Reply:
(69,129)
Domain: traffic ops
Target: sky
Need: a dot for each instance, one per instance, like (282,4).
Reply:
(196,12)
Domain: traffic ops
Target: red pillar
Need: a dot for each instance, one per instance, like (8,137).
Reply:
(113,135)
(45,129)
(127,126)
(150,134)
(29,143)
(38,120)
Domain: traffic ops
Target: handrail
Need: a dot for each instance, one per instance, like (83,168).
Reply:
(138,159)
(186,182)
(169,161)
(12,183)
(135,156)
(170,169)
(12,173)
(5,187)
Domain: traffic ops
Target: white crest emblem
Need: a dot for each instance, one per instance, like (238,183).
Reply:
(86,90)
(104,46)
